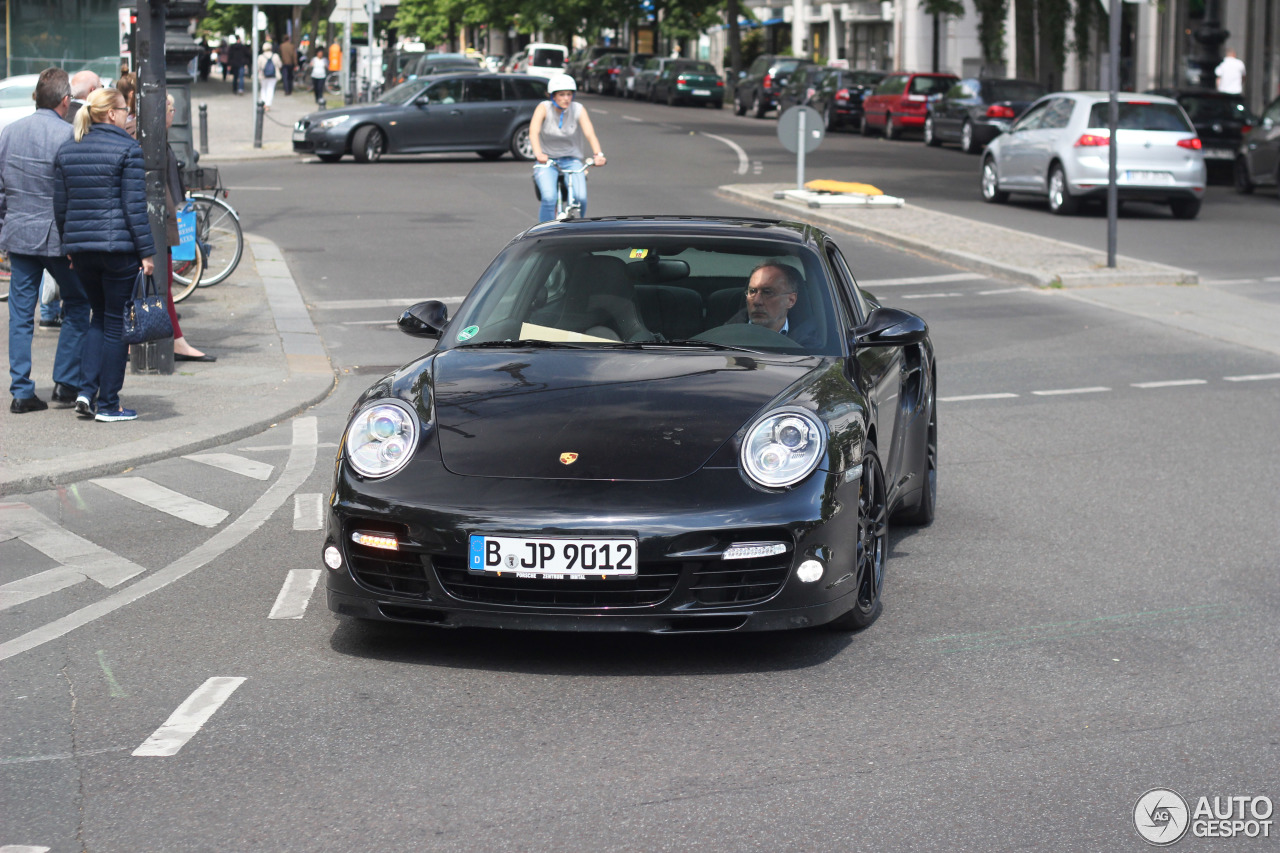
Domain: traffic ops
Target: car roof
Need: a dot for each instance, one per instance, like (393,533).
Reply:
(796,233)
(1123,97)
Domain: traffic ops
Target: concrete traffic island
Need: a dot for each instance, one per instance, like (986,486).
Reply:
(1006,253)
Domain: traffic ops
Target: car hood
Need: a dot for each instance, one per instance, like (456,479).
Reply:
(624,415)
(353,111)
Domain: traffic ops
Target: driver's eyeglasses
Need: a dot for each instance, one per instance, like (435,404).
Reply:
(767,292)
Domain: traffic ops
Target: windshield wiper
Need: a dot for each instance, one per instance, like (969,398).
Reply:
(698,342)
(524,343)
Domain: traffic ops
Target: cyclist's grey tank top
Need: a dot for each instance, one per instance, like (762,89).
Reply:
(563,138)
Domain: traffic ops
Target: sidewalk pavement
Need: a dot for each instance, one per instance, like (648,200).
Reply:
(271,365)
(231,120)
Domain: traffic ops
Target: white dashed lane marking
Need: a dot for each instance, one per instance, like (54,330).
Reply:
(235,464)
(923,279)
(997,396)
(156,496)
(23,848)
(292,601)
(1169,383)
(190,717)
(1256,377)
(930,295)
(1096,389)
(308,511)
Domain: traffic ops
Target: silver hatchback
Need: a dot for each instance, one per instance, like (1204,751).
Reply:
(1059,149)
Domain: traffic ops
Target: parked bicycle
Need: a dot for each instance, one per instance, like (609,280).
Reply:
(219,237)
(5,274)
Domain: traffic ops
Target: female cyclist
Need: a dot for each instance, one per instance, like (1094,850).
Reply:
(561,133)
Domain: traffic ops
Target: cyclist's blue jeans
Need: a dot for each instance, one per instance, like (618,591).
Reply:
(546,174)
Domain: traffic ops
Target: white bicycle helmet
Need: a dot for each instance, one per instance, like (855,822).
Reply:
(561,83)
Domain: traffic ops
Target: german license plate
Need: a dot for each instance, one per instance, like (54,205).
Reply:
(299,136)
(703,92)
(1219,154)
(552,559)
(1140,177)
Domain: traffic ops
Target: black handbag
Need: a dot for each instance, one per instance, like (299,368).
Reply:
(146,317)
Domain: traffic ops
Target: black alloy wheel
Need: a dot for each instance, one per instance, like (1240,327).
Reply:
(368,144)
(873,547)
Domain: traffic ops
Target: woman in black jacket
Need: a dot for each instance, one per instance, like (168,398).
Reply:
(100,202)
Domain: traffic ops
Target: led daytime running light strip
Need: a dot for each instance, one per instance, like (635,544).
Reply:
(375,540)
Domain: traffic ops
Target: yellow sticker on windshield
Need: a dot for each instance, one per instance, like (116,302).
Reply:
(639,253)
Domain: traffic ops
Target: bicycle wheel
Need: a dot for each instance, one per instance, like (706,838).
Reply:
(5,275)
(218,236)
(192,271)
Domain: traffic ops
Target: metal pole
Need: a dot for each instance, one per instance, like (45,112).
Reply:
(368,75)
(204,128)
(800,152)
(346,60)
(154,356)
(258,110)
(253,63)
(1113,120)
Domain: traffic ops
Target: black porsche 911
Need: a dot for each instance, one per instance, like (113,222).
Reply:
(617,433)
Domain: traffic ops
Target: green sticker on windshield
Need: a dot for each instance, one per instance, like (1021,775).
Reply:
(468,333)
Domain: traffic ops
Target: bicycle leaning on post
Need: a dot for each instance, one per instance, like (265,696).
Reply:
(219,238)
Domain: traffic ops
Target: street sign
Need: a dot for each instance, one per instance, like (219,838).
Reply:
(789,129)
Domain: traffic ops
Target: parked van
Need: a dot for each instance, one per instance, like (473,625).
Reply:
(544,60)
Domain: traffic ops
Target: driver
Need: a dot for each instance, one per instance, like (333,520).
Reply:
(772,291)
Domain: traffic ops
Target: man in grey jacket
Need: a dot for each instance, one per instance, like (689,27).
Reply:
(29,236)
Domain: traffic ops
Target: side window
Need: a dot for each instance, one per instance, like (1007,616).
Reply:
(1058,115)
(444,92)
(484,89)
(758,67)
(957,92)
(851,309)
(1034,117)
(651,65)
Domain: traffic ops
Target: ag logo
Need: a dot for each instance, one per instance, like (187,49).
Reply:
(1161,816)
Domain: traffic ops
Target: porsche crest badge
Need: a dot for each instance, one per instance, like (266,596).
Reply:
(568,458)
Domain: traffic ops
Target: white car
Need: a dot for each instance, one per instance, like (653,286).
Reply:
(1059,149)
(545,60)
(15,98)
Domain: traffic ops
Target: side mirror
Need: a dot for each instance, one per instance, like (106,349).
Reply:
(889,327)
(424,320)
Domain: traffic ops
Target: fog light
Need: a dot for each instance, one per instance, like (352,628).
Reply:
(332,557)
(374,540)
(748,550)
(809,571)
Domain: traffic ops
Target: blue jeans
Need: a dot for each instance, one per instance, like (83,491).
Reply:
(24,292)
(546,175)
(108,280)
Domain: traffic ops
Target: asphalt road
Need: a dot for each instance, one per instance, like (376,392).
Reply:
(1093,614)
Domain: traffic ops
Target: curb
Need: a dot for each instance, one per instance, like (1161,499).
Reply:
(310,373)
(1150,273)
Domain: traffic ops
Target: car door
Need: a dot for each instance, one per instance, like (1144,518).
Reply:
(876,107)
(1013,153)
(878,370)
(1263,145)
(1043,141)
(435,120)
(486,115)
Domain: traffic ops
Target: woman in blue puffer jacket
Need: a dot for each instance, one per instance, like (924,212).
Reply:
(100,202)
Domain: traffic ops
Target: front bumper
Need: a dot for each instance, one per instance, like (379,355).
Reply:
(316,141)
(682,529)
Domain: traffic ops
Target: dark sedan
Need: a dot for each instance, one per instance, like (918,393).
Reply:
(604,73)
(648,77)
(838,95)
(976,110)
(601,441)
(485,113)
(1221,121)
(800,88)
(688,81)
(1258,162)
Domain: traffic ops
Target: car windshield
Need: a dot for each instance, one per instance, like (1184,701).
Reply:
(648,291)
(1015,90)
(402,94)
(865,78)
(1135,115)
(931,85)
(1208,109)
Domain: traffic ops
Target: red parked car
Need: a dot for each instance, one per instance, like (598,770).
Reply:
(901,102)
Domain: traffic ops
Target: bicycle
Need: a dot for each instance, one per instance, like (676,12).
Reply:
(567,204)
(5,275)
(219,237)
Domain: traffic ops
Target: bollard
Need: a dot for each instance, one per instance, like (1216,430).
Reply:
(257,125)
(204,128)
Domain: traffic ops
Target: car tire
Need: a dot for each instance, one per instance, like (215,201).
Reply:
(922,514)
(929,138)
(1185,208)
(329,158)
(1244,184)
(991,192)
(521,145)
(863,127)
(491,155)
(717,104)
(829,118)
(1060,200)
(890,130)
(758,109)
(671,98)
(966,138)
(368,144)
(739,108)
(872,548)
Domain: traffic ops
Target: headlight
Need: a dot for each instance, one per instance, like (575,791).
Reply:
(381,438)
(783,448)
(331,121)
